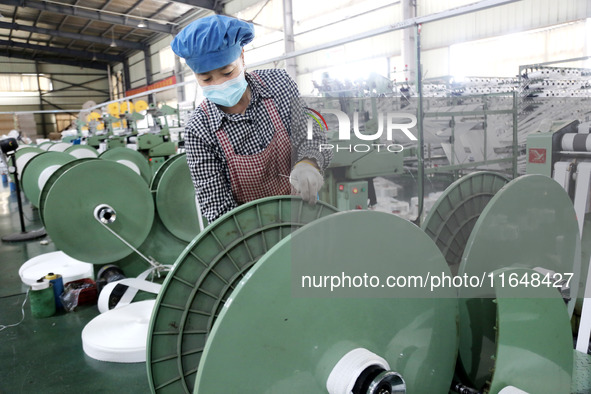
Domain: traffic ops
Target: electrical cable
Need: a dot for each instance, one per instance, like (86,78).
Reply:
(2,326)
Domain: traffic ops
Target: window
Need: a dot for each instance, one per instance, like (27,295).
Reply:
(24,83)
(117,85)
(166,59)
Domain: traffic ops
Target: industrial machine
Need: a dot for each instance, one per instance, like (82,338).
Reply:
(157,147)
(160,116)
(233,300)
(155,143)
(349,177)
(131,119)
(563,141)
(563,153)
(108,121)
(133,226)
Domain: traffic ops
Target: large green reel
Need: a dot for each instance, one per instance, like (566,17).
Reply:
(452,218)
(23,155)
(130,158)
(269,339)
(59,147)
(98,189)
(45,145)
(51,180)
(175,198)
(38,170)
(530,224)
(82,151)
(521,337)
(204,276)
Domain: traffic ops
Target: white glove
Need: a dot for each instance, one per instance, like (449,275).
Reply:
(307,180)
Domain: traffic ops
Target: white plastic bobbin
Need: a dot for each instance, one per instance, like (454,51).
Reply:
(119,335)
(130,164)
(347,370)
(512,390)
(45,174)
(70,268)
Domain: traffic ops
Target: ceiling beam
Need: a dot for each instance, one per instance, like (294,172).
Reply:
(92,65)
(62,51)
(34,24)
(133,6)
(59,27)
(74,36)
(159,10)
(98,15)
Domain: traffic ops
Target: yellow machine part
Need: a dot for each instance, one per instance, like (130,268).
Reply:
(140,105)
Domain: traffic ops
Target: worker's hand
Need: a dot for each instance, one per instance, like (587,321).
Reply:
(307,180)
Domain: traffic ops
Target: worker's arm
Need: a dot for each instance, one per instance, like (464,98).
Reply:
(209,178)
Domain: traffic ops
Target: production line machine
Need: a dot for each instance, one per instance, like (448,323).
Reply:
(356,162)
(155,143)
(563,152)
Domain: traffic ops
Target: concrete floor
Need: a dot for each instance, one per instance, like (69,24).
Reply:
(45,355)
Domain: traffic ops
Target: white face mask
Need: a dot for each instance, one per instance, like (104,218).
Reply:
(228,93)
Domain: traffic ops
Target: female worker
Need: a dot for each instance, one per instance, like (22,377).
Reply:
(241,139)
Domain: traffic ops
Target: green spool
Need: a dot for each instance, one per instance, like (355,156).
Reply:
(527,342)
(193,293)
(82,151)
(59,147)
(45,145)
(85,190)
(42,302)
(38,170)
(52,179)
(529,223)
(23,155)
(130,158)
(276,340)
(452,218)
(175,198)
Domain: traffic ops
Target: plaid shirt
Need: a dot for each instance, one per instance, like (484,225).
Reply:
(249,134)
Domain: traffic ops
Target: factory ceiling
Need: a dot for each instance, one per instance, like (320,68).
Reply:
(91,33)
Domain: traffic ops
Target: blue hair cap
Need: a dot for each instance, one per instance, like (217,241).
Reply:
(212,42)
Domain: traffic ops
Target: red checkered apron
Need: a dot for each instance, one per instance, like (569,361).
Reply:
(263,174)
